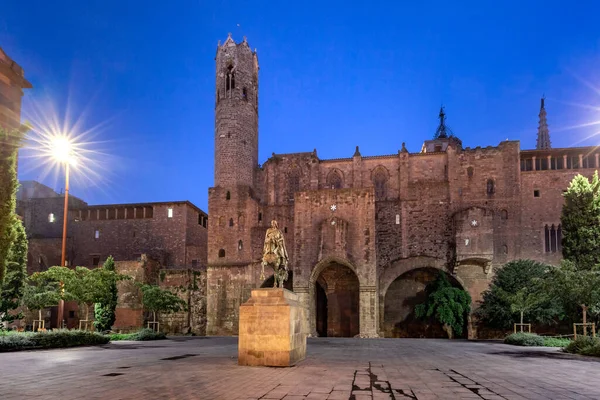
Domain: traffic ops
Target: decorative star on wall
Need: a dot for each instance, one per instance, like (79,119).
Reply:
(333,207)
(474,222)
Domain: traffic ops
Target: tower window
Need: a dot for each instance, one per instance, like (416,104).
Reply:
(240,245)
(228,195)
(96,234)
(221,253)
(230,222)
(51,217)
(503,214)
(536,193)
(259,217)
(285,230)
(490,187)
(245,94)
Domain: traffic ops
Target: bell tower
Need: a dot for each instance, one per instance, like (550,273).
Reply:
(236,115)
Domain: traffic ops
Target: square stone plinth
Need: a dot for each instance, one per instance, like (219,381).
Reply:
(273,329)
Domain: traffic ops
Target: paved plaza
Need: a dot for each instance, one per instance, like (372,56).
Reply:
(206,368)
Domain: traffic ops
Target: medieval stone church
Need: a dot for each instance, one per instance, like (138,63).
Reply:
(365,234)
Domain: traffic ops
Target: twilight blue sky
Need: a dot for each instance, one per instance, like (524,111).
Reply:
(333,75)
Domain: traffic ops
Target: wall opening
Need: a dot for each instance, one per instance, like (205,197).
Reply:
(339,307)
(402,296)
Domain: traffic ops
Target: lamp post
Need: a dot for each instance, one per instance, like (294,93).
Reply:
(62,151)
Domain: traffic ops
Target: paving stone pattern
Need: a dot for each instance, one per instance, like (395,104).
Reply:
(206,368)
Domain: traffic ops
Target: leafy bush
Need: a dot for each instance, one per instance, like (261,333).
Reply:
(149,334)
(524,339)
(141,335)
(16,341)
(556,342)
(51,339)
(582,344)
(593,350)
(449,305)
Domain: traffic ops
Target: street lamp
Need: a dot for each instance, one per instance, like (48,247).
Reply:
(62,152)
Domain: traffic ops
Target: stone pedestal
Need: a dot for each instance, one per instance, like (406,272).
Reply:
(273,329)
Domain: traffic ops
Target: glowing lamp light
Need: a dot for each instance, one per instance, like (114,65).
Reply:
(62,150)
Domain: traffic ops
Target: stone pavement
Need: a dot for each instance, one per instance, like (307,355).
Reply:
(206,368)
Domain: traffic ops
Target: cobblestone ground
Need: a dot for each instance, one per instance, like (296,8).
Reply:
(206,368)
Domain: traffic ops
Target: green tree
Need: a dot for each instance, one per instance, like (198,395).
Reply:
(497,309)
(10,141)
(41,292)
(449,305)
(160,300)
(524,300)
(105,311)
(580,222)
(12,289)
(83,285)
(576,289)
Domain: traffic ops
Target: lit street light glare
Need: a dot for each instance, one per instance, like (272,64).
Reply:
(62,150)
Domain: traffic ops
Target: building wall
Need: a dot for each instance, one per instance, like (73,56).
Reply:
(12,83)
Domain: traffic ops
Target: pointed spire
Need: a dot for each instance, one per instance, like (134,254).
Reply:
(357,153)
(543,135)
(443,132)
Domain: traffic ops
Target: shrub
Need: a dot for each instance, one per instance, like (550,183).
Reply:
(141,335)
(15,341)
(524,339)
(149,334)
(51,339)
(556,342)
(582,344)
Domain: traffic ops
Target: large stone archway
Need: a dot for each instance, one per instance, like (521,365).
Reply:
(401,297)
(337,302)
(339,299)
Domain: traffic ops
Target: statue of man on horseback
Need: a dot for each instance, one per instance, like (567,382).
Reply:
(275,255)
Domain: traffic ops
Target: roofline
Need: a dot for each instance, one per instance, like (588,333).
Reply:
(157,203)
(566,149)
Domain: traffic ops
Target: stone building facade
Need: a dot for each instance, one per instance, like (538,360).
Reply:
(12,83)
(365,234)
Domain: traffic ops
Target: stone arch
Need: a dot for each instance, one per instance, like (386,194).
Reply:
(401,297)
(325,262)
(400,267)
(335,179)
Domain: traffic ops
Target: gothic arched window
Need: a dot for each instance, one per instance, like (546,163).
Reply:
(221,253)
(334,180)
(380,178)
(293,182)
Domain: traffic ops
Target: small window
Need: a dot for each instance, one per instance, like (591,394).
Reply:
(221,253)
(228,195)
(199,219)
(503,214)
(490,187)
(71,313)
(97,234)
(240,245)
(169,212)
(205,222)
(285,230)
(51,217)
(245,94)
(437,148)
(194,263)
(504,249)
(230,222)
(536,193)
(95,261)
(259,217)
